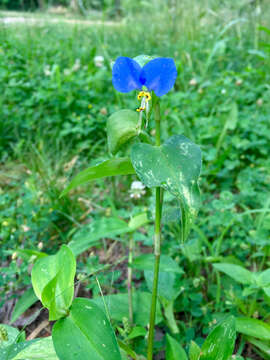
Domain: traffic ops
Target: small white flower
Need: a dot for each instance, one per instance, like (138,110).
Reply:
(77,65)
(99,60)
(239,82)
(137,190)
(193,82)
(25,228)
(137,185)
(67,72)
(223,91)
(47,70)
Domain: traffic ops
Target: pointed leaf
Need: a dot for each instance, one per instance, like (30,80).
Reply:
(236,272)
(112,167)
(253,327)
(175,166)
(194,351)
(174,350)
(219,344)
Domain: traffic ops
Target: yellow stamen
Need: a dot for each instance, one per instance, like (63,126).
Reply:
(141,108)
(145,94)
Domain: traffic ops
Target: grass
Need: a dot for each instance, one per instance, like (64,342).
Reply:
(53,117)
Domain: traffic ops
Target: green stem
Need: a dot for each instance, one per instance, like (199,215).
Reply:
(159,198)
(130,259)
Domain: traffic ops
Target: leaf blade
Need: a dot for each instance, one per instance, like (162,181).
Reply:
(112,167)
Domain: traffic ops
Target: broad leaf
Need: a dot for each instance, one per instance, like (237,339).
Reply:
(253,327)
(220,342)
(85,334)
(236,272)
(53,281)
(112,167)
(174,350)
(175,166)
(121,127)
(117,305)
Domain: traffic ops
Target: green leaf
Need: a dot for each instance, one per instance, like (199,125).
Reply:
(146,262)
(253,327)
(174,350)
(263,279)
(8,335)
(112,167)
(175,166)
(194,351)
(24,303)
(126,350)
(117,305)
(138,221)
(85,334)
(168,310)
(41,349)
(136,332)
(53,281)
(90,235)
(10,352)
(168,284)
(220,342)
(260,345)
(236,272)
(121,127)
(29,253)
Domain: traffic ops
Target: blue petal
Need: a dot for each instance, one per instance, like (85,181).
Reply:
(159,75)
(126,74)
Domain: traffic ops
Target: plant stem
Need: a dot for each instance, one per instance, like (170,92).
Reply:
(130,259)
(159,198)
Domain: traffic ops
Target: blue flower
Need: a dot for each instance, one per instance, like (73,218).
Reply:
(158,75)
